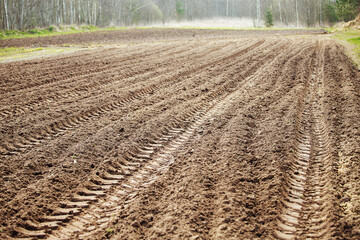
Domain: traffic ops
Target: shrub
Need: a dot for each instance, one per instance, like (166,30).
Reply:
(180,9)
(10,32)
(51,29)
(34,31)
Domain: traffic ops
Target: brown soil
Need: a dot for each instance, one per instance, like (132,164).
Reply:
(141,35)
(219,138)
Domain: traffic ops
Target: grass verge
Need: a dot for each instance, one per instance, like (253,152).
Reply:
(5,52)
(51,31)
(351,40)
(13,54)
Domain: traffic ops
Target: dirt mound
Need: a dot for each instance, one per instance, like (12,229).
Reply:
(354,24)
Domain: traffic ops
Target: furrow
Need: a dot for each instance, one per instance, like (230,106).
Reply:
(88,212)
(100,64)
(75,86)
(56,128)
(107,80)
(138,168)
(306,198)
(219,84)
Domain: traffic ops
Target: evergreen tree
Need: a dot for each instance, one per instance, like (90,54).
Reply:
(180,10)
(330,13)
(269,18)
(346,10)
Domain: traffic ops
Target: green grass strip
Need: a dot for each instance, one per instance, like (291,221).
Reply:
(352,37)
(5,52)
(51,31)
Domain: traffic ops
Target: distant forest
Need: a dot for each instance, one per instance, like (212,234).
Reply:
(28,14)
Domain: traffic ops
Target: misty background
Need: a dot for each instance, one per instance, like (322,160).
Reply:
(27,14)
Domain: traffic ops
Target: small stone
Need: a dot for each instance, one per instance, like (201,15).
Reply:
(30,164)
(135,224)
(223,227)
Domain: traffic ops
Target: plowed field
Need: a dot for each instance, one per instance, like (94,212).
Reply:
(216,137)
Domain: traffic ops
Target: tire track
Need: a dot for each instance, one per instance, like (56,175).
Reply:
(101,63)
(76,181)
(342,98)
(135,169)
(130,156)
(103,213)
(133,160)
(125,78)
(55,128)
(108,68)
(268,58)
(306,212)
(231,74)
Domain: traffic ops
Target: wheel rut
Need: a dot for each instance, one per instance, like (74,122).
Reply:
(104,62)
(218,83)
(306,197)
(155,157)
(71,88)
(92,209)
(218,138)
(54,129)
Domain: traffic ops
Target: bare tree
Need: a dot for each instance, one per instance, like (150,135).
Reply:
(6,15)
(25,14)
(297,13)
(258,13)
(280,9)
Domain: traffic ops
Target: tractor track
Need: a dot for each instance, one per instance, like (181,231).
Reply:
(84,83)
(75,89)
(57,127)
(133,156)
(157,152)
(134,170)
(307,203)
(93,208)
(229,74)
(220,78)
(102,63)
(220,138)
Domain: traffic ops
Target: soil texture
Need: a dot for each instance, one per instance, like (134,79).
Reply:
(146,35)
(212,135)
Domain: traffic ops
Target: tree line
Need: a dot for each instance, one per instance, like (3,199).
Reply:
(27,14)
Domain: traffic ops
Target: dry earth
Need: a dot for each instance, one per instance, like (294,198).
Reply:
(146,35)
(209,137)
